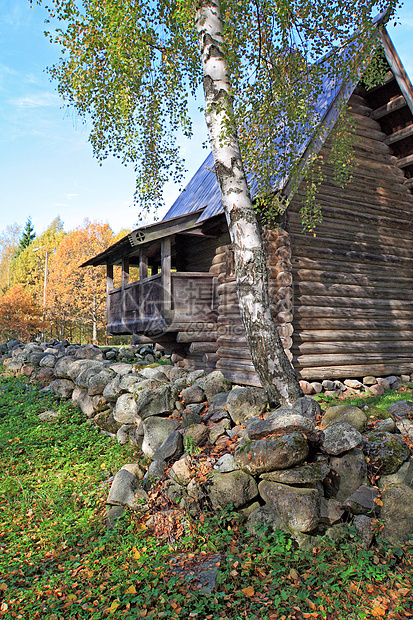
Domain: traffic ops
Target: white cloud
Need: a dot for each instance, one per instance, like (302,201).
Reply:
(40,100)
(71,196)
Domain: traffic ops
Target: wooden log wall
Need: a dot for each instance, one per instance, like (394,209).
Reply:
(234,358)
(353,297)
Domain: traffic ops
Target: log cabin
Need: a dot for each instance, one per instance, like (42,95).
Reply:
(342,300)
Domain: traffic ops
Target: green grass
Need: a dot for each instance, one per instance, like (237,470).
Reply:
(58,561)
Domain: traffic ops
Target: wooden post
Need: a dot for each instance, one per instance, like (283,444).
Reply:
(109,287)
(166,273)
(125,271)
(143,265)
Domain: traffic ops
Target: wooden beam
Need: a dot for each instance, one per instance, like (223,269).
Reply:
(143,265)
(109,287)
(405,161)
(388,108)
(406,132)
(166,273)
(409,183)
(125,271)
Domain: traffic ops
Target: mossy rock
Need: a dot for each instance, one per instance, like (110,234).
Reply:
(387,452)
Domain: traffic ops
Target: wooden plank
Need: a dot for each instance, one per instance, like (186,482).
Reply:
(143,265)
(350,291)
(166,273)
(388,108)
(341,253)
(358,279)
(312,361)
(203,347)
(339,312)
(353,371)
(201,336)
(355,347)
(409,183)
(401,134)
(125,271)
(327,323)
(349,268)
(351,335)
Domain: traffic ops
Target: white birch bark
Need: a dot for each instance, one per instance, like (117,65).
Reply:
(270,361)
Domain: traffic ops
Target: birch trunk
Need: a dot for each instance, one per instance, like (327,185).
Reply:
(276,374)
(94,322)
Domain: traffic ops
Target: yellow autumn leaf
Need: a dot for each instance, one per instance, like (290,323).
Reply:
(249,591)
(378,611)
(136,555)
(103,466)
(131,590)
(114,607)
(71,598)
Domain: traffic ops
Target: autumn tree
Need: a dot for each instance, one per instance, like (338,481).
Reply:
(9,239)
(128,66)
(20,315)
(76,297)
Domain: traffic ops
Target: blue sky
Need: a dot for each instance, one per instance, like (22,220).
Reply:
(46,163)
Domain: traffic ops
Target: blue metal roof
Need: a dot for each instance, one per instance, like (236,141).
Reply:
(203,189)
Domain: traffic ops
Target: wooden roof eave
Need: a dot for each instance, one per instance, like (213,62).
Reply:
(143,236)
(397,68)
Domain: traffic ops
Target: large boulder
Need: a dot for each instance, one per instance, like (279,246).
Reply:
(310,474)
(307,407)
(154,401)
(214,383)
(340,437)
(126,409)
(156,430)
(62,367)
(349,472)
(396,513)
(386,451)
(99,381)
(401,409)
(245,402)
(279,424)
(345,413)
(269,454)
(298,507)
(235,487)
(62,388)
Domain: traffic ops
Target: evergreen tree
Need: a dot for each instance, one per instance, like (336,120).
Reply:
(27,237)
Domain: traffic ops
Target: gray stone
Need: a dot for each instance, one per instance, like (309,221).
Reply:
(298,507)
(128,382)
(364,530)
(198,572)
(122,490)
(312,473)
(328,385)
(155,472)
(369,380)
(317,387)
(225,464)
(353,384)
(126,409)
(307,407)
(396,514)
(63,366)
(220,414)
(181,471)
(135,469)
(121,368)
(330,511)
(112,389)
(276,425)
(189,418)
(122,435)
(62,388)
(246,402)
(113,513)
(401,409)
(235,487)
(153,402)
(156,430)
(345,413)
(90,405)
(307,388)
(196,434)
(105,420)
(218,431)
(388,425)
(386,451)
(363,501)
(218,402)
(350,471)
(48,416)
(48,361)
(264,519)
(193,394)
(340,437)
(12,344)
(388,382)
(214,383)
(402,475)
(151,372)
(272,453)
(99,381)
(405,427)
(171,448)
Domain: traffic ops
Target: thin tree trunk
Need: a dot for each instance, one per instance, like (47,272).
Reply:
(276,374)
(94,322)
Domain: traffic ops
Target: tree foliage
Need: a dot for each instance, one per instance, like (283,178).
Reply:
(129,67)
(9,239)
(27,237)
(20,315)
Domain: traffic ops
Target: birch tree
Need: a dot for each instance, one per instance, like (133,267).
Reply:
(129,67)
